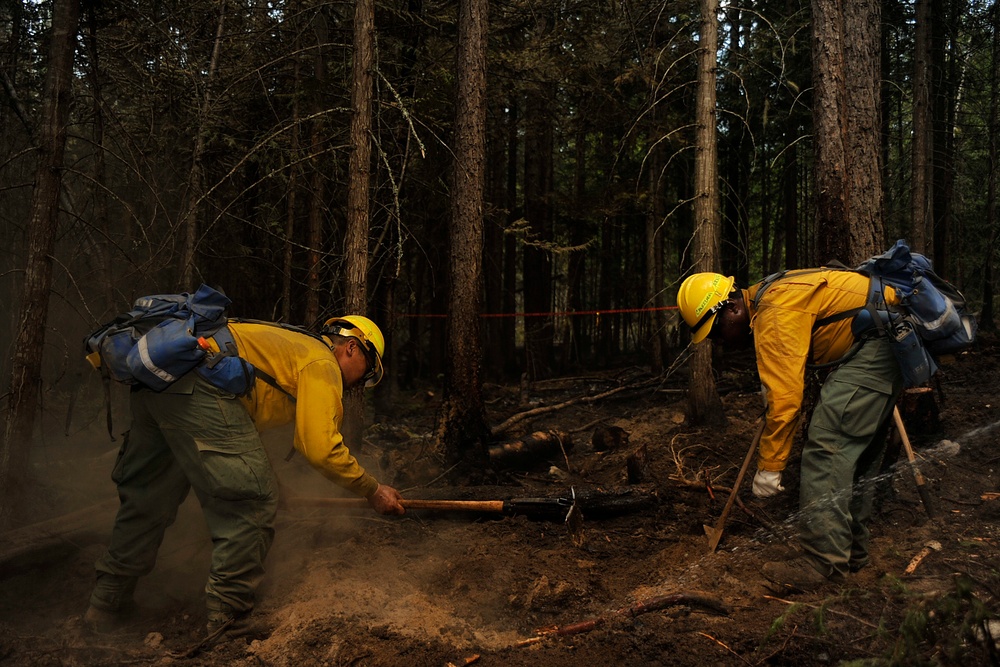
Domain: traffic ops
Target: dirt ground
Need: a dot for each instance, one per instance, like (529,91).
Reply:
(350,588)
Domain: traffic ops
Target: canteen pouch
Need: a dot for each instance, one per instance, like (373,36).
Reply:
(915,362)
(228,372)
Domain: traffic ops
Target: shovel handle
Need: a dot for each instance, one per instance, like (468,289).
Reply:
(716,531)
(925,497)
(361,503)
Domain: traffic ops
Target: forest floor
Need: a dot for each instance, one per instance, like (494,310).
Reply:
(351,588)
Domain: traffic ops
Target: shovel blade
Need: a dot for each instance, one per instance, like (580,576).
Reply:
(714,537)
(574,523)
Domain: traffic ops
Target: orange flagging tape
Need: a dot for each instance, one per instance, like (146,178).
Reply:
(565,313)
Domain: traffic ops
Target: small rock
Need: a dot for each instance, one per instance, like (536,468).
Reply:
(153,640)
(558,473)
(609,438)
(992,627)
(948,448)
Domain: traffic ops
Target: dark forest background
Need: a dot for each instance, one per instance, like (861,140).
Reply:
(209,141)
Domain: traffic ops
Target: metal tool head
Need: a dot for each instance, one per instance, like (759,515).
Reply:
(574,521)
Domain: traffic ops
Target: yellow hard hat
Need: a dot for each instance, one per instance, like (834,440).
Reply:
(370,337)
(699,299)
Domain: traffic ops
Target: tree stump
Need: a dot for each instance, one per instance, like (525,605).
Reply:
(637,466)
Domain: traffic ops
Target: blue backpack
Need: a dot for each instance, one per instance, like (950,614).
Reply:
(165,336)
(930,320)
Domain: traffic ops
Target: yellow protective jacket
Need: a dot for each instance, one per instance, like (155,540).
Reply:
(784,340)
(306,368)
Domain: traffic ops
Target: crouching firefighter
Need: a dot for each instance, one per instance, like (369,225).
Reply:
(193,435)
(797,319)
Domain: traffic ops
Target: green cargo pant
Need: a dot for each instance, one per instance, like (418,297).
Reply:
(842,456)
(191,435)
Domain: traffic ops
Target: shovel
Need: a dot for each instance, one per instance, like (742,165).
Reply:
(554,507)
(512,506)
(715,533)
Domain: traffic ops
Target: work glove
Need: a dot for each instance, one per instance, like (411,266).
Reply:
(767,483)
(386,500)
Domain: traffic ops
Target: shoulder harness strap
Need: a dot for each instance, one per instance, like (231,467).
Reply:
(267,377)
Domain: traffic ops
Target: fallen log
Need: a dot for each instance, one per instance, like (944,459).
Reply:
(41,543)
(642,607)
(540,445)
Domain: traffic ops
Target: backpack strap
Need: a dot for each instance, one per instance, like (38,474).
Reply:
(837,317)
(281,325)
(225,338)
(876,297)
(267,377)
(833,265)
(106,383)
(766,283)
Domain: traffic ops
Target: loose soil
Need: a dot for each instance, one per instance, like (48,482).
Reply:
(351,588)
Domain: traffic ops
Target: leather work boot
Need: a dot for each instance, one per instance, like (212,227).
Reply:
(798,574)
(102,621)
(223,627)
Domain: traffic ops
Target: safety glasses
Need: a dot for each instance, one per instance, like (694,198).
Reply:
(714,331)
(374,373)
(372,363)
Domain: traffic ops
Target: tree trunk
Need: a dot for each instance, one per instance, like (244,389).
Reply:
(358,187)
(703,401)
(26,366)
(846,129)
(462,426)
(359,170)
(921,196)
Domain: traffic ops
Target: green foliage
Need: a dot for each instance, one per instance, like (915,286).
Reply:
(956,626)
(778,624)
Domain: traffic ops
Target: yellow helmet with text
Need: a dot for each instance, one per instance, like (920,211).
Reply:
(699,299)
(368,335)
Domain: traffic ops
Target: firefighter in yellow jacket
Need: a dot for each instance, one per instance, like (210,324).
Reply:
(193,435)
(804,318)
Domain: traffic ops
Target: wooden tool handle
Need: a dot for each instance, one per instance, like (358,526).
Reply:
(925,497)
(715,533)
(449,505)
